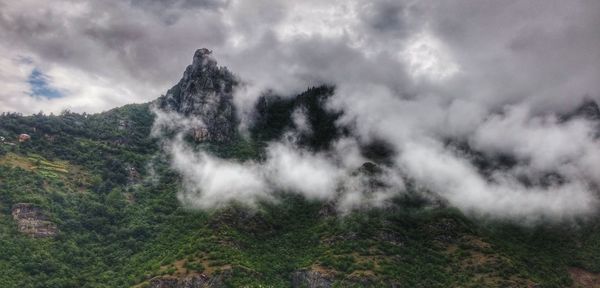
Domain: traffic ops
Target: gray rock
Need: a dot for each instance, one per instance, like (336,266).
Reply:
(192,281)
(311,279)
(206,93)
(33,221)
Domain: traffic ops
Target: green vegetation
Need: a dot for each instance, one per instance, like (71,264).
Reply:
(119,228)
(274,116)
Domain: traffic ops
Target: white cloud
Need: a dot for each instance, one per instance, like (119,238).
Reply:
(312,175)
(211,182)
(456,180)
(426,57)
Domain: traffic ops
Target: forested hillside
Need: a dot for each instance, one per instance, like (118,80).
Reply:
(104,183)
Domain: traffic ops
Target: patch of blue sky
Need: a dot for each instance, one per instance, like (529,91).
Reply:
(40,86)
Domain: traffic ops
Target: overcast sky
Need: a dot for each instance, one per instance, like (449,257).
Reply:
(94,55)
(494,74)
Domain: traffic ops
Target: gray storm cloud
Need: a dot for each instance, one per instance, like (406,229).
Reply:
(416,74)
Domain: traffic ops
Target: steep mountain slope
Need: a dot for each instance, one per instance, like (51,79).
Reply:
(106,185)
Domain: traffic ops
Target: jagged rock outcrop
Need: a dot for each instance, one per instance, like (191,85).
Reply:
(206,93)
(311,279)
(33,221)
(192,281)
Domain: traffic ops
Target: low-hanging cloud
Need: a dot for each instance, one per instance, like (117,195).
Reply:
(211,182)
(456,180)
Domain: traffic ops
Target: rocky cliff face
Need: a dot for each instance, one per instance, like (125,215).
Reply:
(33,221)
(206,93)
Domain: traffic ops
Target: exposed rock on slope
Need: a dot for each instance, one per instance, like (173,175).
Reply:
(311,279)
(206,93)
(192,281)
(583,278)
(32,221)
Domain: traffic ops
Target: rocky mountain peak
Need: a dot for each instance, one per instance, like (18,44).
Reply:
(201,54)
(205,92)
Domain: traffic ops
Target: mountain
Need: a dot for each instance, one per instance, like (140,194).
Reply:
(91,201)
(205,92)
